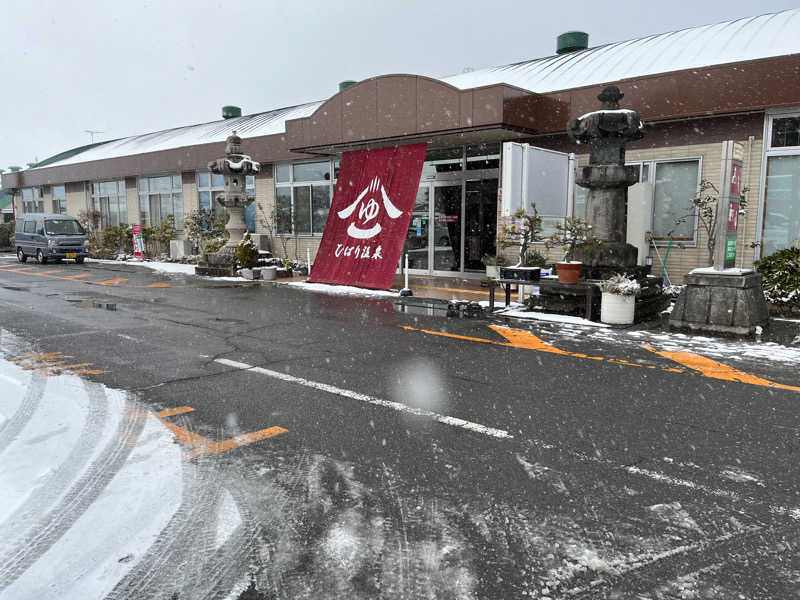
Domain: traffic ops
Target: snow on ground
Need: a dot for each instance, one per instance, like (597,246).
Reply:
(90,479)
(550,317)
(161,267)
(341,290)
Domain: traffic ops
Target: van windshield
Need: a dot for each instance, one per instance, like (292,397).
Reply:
(63,227)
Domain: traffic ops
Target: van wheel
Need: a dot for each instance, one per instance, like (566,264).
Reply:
(21,255)
(40,258)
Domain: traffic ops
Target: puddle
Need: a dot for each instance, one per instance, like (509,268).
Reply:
(439,308)
(94,304)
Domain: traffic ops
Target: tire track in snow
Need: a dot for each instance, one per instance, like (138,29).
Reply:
(157,574)
(28,406)
(82,494)
(59,481)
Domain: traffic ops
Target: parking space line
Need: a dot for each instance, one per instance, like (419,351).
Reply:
(397,406)
(711,368)
(236,442)
(172,412)
(108,281)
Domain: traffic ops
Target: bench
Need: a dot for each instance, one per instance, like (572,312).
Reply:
(587,290)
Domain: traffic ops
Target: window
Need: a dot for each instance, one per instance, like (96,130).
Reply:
(108,199)
(30,227)
(781,212)
(32,201)
(303,196)
(675,185)
(160,197)
(211,185)
(674,189)
(785,132)
(59,199)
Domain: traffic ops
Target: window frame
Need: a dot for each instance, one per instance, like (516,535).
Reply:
(767,152)
(292,185)
(178,222)
(34,205)
(653,167)
(59,204)
(103,220)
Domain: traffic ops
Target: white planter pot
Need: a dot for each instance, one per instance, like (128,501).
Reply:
(493,271)
(269,273)
(616,309)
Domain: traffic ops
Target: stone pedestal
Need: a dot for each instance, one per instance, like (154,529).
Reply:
(728,302)
(218,264)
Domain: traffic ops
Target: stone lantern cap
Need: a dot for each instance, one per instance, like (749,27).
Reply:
(235,160)
(608,129)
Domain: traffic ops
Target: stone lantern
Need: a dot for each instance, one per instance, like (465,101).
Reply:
(234,168)
(607,131)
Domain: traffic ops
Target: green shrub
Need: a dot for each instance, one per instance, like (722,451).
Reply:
(247,253)
(780,278)
(211,245)
(118,239)
(535,258)
(7,235)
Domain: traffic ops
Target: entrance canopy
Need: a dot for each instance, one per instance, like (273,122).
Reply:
(405,109)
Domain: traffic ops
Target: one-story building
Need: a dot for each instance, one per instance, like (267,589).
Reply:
(694,89)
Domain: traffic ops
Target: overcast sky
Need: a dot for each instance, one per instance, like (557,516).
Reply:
(132,67)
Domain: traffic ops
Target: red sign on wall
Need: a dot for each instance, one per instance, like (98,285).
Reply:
(369,216)
(736,178)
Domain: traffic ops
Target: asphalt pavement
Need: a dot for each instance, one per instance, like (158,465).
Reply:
(385,454)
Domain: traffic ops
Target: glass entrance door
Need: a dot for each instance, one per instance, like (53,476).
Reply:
(481,222)
(433,241)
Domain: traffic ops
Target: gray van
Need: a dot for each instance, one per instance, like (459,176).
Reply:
(50,237)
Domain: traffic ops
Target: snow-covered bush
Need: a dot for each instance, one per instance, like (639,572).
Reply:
(780,278)
(247,253)
(621,285)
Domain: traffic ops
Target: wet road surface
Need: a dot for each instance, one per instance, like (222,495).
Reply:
(371,453)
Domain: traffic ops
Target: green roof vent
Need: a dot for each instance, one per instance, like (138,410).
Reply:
(231,112)
(14,169)
(572,41)
(343,85)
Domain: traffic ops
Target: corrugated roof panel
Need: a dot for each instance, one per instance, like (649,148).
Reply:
(266,123)
(749,38)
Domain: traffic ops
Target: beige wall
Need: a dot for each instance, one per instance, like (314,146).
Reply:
(76,198)
(132,200)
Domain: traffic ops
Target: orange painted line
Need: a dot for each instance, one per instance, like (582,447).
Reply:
(77,276)
(713,369)
(108,281)
(238,441)
(171,412)
(519,338)
(77,366)
(41,356)
(90,371)
(158,285)
(186,437)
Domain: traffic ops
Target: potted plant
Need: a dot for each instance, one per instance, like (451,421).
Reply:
(247,257)
(493,264)
(573,232)
(522,230)
(619,299)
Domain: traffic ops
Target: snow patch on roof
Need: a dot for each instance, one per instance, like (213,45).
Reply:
(250,126)
(743,39)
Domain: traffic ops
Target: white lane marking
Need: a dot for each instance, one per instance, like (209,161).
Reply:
(331,389)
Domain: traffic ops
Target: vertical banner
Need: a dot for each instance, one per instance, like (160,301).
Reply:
(138,243)
(729,203)
(369,216)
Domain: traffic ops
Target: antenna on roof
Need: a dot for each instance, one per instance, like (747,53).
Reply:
(91,133)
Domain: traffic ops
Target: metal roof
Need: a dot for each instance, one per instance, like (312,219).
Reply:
(743,39)
(264,123)
(750,38)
